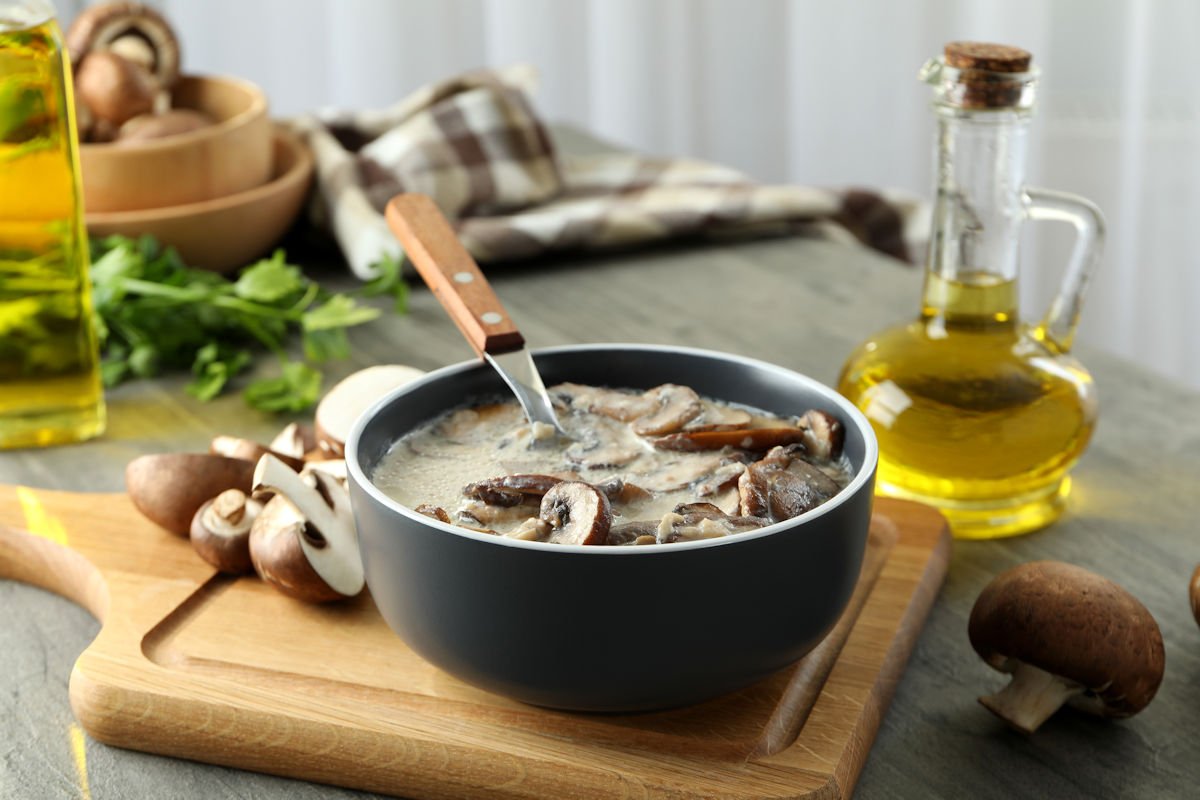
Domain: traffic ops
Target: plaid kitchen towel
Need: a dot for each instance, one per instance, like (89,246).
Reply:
(476,146)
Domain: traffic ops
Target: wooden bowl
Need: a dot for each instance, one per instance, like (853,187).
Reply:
(228,232)
(222,159)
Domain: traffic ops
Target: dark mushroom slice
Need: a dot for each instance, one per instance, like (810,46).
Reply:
(511,490)
(477,511)
(674,407)
(824,434)
(618,405)
(437,512)
(745,439)
(699,509)
(578,513)
(618,490)
(725,477)
(632,532)
(704,524)
(783,485)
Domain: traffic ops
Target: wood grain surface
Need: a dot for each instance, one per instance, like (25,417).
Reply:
(195,664)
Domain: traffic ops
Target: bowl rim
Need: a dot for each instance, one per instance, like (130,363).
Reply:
(258,108)
(300,169)
(856,485)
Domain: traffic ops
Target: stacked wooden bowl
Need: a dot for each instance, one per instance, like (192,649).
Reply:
(221,195)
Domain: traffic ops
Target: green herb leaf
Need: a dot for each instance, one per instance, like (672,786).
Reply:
(269,280)
(388,281)
(339,311)
(297,388)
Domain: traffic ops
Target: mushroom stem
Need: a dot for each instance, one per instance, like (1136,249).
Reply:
(1030,698)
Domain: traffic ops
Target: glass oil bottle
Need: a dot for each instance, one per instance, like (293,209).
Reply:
(50,388)
(978,412)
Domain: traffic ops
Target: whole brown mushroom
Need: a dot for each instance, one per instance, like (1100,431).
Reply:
(116,90)
(1067,636)
(168,488)
(135,32)
(221,531)
(1194,591)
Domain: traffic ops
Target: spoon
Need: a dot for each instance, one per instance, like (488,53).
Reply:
(457,282)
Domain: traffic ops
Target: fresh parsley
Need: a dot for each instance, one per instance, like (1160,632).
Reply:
(154,314)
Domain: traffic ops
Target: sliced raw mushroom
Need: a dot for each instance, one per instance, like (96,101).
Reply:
(716,417)
(618,405)
(307,547)
(1067,636)
(578,513)
(824,434)
(747,439)
(221,531)
(511,490)
(341,407)
(333,467)
(674,407)
(295,440)
(168,488)
(249,450)
(132,31)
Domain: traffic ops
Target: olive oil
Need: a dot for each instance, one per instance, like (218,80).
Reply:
(975,412)
(49,367)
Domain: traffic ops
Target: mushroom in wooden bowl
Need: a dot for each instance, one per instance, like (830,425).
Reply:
(152,137)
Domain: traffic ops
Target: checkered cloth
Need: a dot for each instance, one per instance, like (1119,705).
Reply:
(476,146)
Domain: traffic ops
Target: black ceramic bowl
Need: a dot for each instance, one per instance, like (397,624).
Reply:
(611,628)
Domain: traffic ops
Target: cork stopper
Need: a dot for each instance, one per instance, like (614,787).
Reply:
(990,75)
(988,57)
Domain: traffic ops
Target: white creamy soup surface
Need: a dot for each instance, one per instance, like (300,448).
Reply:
(641,468)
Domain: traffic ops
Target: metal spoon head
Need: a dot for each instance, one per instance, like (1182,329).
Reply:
(517,369)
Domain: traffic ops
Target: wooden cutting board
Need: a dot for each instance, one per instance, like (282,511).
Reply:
(193,664)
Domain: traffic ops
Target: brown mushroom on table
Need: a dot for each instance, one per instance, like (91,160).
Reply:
(577,512)
(1194,591)
(1067,636)
(168,488)
(304,542)
(221,531)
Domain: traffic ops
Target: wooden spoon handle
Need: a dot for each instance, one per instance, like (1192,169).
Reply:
(455,278)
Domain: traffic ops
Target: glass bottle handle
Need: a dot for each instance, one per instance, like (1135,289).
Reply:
(1058,326)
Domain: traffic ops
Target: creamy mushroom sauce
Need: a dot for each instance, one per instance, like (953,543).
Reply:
(429,467)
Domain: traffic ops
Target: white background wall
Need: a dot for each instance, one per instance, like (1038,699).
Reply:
(802,91)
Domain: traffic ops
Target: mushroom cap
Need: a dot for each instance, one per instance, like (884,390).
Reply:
(1073,624)
(1194,591)
(168,488)
(221,531)
(114,89)
(97,27)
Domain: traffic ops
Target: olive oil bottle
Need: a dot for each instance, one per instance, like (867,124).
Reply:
(977,412)
(50,388)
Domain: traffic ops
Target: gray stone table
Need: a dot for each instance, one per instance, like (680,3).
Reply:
(799,303)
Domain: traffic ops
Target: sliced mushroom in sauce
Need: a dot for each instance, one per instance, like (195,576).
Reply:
(666,464)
